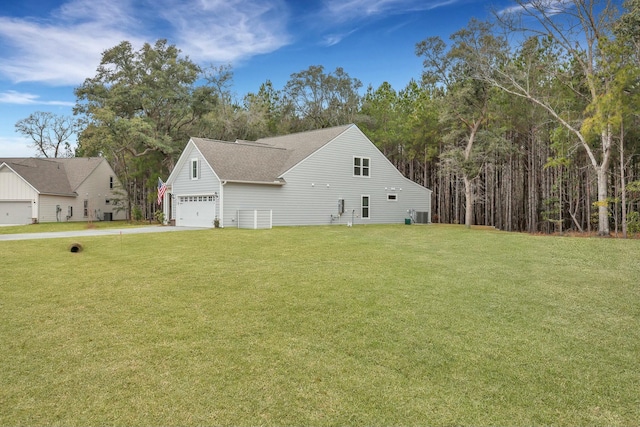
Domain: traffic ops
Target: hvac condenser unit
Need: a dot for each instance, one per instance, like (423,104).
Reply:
(423,218)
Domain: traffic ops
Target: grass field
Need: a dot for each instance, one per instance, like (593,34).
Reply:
(370,325)
(70,226)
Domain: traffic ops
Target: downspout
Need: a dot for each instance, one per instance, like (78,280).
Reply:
(221,216)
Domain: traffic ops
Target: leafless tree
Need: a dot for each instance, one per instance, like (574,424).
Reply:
(50,133)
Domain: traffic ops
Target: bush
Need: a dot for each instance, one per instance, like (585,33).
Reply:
(633,222)
(137,213)
(159,216)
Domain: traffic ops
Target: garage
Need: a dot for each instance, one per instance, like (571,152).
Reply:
(196,211)
(15,212)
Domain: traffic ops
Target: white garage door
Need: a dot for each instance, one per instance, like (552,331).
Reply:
(196,211)
(15,212)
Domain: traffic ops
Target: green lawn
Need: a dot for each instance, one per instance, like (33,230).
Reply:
(370,325)
(46,227)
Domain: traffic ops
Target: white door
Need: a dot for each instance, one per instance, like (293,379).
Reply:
(196,211)
(15,212)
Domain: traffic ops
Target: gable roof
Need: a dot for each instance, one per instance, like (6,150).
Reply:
(60,177)
(266,159)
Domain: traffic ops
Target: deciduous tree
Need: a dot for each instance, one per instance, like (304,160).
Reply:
(50,134)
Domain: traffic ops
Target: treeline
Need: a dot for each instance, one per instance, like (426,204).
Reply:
(521,127)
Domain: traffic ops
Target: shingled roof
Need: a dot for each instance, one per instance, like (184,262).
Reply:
(59,177)
(266,159)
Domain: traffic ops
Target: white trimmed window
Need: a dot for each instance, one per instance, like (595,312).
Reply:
(195,169)
(364,209)
(392,197)
(361,166)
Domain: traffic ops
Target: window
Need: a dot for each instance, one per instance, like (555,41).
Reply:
(111,182)
(194,169)
(86,209)
(361,166)
(392,197)
(365,207)
(107,201)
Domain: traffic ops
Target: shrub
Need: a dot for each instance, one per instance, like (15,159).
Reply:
(633,222)
(137,213)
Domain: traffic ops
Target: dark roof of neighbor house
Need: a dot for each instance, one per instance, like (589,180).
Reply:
(61,176)
(266,159)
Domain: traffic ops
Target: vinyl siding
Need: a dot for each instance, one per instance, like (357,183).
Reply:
(14,188)
(313,187)
(47,208)
(96,190)
(248,197)
(182,184)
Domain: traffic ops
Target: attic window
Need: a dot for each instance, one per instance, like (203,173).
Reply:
(194,169)
(361,166)
(111,182)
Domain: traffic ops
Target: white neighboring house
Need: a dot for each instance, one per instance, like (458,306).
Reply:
(327,176)
(58,190)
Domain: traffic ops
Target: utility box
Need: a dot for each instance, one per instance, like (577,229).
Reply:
(423,217)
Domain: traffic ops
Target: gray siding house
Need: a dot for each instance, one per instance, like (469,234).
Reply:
(327,176)
(57,190)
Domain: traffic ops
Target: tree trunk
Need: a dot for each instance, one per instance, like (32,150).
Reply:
(623,194)
(603,208)
(468,198)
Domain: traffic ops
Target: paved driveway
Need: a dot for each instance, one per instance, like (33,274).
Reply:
(96,232)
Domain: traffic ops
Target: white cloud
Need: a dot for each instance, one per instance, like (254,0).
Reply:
(332,39)
(21,98)
(341,16)
(66,47)
(227,30)
(349,10)
(550,7)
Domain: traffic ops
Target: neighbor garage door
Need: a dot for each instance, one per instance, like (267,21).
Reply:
(196,211)
(15,212)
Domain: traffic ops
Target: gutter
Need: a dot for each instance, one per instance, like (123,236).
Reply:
(237,181)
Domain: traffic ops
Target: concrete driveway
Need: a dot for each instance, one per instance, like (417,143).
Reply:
(96,232)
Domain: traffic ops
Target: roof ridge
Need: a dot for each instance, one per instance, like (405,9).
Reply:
(332,128)
(241,142)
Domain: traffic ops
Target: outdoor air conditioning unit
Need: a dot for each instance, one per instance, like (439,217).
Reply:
(423,218)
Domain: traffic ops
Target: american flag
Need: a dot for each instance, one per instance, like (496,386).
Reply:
(162,187)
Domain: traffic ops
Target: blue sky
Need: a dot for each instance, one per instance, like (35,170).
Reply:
(48,47)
